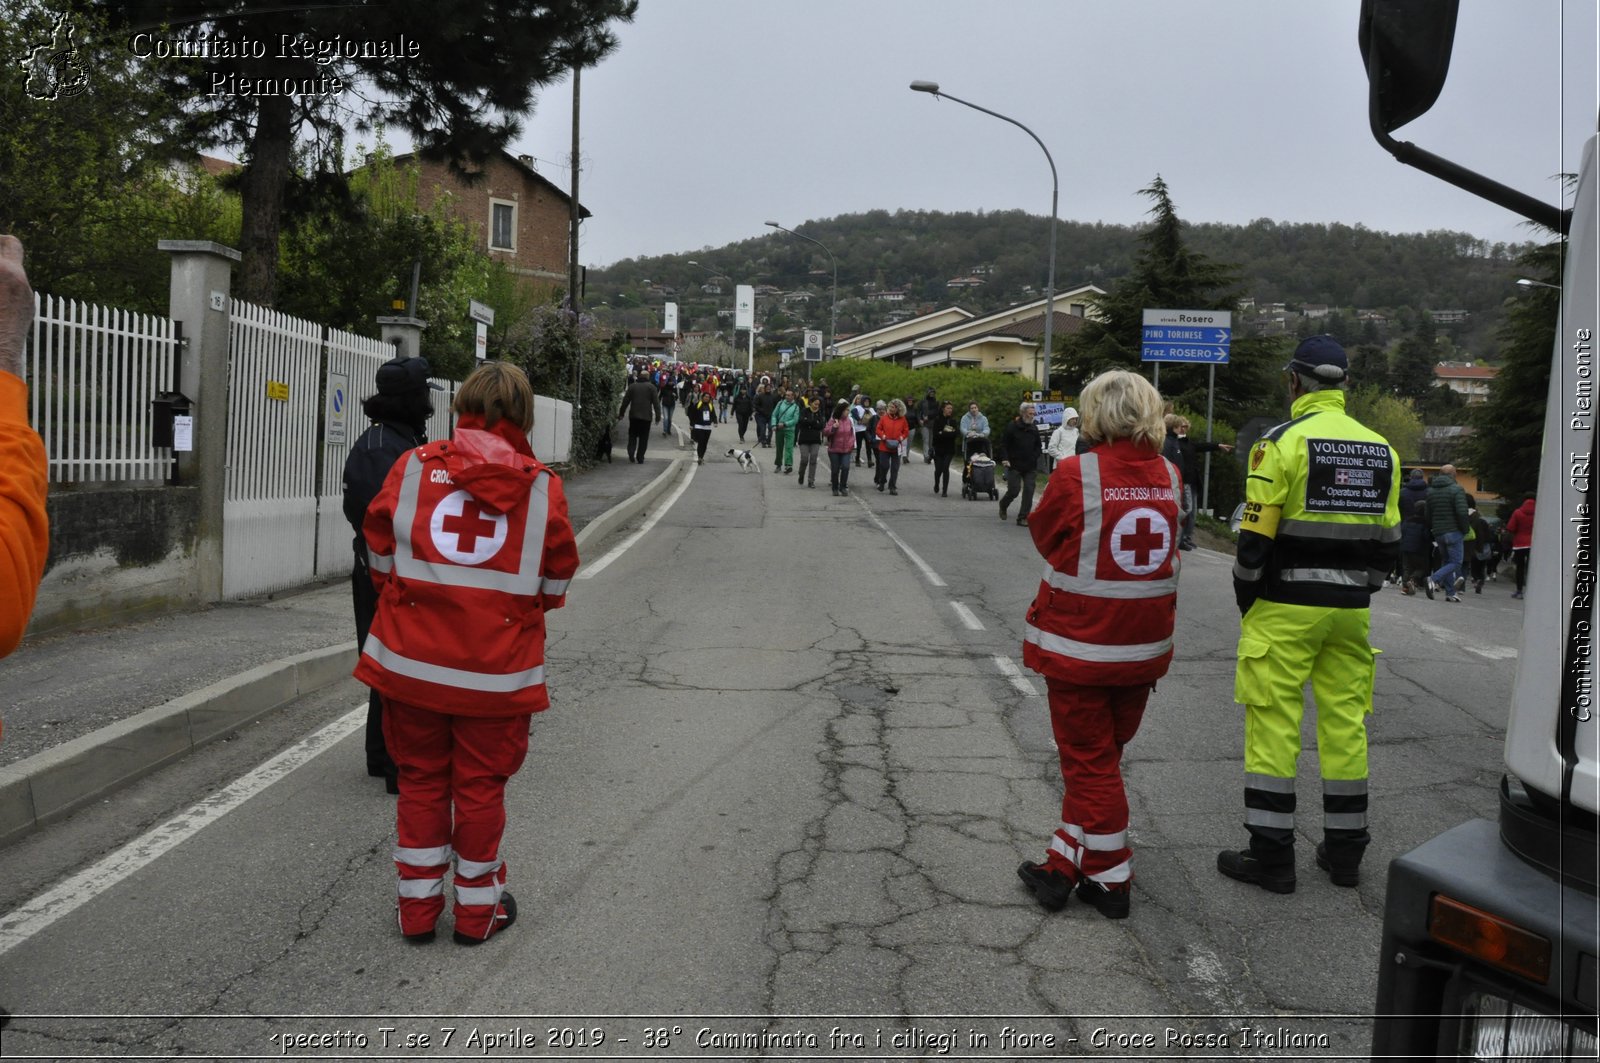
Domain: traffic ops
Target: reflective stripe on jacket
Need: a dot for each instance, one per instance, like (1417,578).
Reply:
(469,546)
(1322,510)
(1107,527)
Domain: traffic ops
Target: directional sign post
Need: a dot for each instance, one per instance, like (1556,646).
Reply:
(1187,336)
(1195,336)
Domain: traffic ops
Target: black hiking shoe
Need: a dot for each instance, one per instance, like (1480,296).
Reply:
(1113,904)
(1240,864)
(1050,888)
(1339,876)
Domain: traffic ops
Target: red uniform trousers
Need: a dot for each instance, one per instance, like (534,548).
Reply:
(1091,726)
(447,760)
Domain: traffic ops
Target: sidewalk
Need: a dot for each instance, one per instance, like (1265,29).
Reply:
(86,712)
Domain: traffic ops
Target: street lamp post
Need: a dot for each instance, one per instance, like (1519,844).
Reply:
(833,320)
(932,88)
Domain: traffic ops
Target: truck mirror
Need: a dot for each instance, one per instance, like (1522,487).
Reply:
(1406,47)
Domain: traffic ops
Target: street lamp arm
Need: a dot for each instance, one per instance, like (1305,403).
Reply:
(1004,118)
(1047,347)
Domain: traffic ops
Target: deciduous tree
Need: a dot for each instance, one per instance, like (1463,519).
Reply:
(274,80)
(1509,429)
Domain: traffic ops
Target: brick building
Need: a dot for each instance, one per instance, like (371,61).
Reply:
(521,217)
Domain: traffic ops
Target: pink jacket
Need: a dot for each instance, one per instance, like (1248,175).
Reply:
(840,434)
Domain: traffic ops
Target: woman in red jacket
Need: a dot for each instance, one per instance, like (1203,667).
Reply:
(892,430)
(1520,528)
(469,545)
(1100,629)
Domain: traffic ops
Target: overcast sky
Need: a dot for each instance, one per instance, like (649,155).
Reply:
(714,116)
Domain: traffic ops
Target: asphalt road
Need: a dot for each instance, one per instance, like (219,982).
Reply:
(789,772)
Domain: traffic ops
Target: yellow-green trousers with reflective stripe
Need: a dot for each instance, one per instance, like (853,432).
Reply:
(1281,648)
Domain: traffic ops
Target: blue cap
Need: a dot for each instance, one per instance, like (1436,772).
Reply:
(1321,357)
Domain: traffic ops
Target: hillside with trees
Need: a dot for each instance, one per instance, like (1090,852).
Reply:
(1344,267)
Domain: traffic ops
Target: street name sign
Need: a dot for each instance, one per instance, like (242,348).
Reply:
(1202,336)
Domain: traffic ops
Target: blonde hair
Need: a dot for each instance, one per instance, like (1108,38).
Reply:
(897,407)
(496,391)
(1122,405)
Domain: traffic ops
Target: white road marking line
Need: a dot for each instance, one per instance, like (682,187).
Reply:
(1453,638)
(22,923)
(927,572)
(967,617)
(1009,669)
(591,570)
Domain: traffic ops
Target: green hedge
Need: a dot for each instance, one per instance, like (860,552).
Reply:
(997,394)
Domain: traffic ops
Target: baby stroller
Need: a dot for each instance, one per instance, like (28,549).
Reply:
(977,473)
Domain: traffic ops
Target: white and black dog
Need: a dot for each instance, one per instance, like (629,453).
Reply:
(746,460)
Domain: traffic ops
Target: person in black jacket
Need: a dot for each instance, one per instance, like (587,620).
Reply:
(764,403)
(808,440)
(702,414)
(742,408)
(1190,468)
(946,431)
(641,405)
(400,412)
(1019,454)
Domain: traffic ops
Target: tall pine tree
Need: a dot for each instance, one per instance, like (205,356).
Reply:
(1168,274)
(1411,372)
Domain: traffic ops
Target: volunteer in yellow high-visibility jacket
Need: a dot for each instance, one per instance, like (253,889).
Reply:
(1320,531)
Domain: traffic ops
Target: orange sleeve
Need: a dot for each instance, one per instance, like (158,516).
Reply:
(24,526)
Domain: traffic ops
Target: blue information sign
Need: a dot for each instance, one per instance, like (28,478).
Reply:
(1202,336)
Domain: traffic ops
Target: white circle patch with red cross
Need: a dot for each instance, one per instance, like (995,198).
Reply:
(1141,541)
(464,531)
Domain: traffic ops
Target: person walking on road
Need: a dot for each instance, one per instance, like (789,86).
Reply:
(641,405)
(1520,528)
(974,430)
(764,403)
(946,432)
(400,412)
(669,402)
(1066,440)
(1482,548)
(892,433)
(927,410)
(702,418)
(1320,531)
(742,408)
(1019,450)
(470,547)
(1100,631)
(1447,516)
(1416,546)
(785,415)
(841,436)
(808,440)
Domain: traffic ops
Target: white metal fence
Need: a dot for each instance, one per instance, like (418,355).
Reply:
(92,373)
(352,367)
(269,514)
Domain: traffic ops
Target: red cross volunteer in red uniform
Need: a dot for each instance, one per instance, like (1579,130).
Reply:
(1100,629)
(469,545)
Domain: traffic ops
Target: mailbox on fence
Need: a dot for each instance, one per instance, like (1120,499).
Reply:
(165,409)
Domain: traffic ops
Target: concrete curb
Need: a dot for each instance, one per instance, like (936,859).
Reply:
(607,523)
(51,785)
